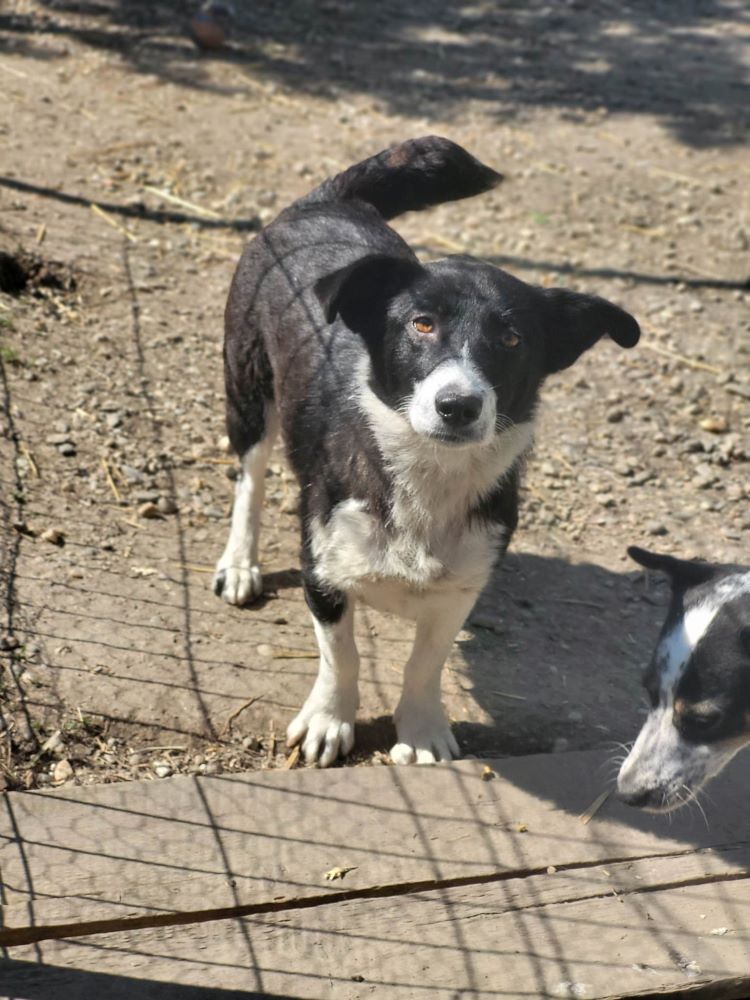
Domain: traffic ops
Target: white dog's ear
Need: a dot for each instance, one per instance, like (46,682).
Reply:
(354,291)
(682,572)
(574,322)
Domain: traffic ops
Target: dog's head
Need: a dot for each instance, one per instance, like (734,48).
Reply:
(459,348)
(698,684)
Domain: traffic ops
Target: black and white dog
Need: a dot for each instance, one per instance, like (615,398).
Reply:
(698,683)
(406,396)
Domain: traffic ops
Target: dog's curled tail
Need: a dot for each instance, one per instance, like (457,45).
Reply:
(410,176)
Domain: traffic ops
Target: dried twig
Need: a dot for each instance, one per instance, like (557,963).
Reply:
(133,524)
(166,196)
(574,600)
(110,480)
(111,222)
(594,808)
(507,694)
(193,568)
(701,272)
(685,178)
(14,72)
(237,711)
(690,362)
(30,459)
(443,241)
(292,759)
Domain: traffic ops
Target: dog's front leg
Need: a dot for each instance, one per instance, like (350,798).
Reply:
(325,723)
(424,733)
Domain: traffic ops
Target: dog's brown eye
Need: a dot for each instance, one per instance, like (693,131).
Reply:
(509,339)
(696,723)
(423,324)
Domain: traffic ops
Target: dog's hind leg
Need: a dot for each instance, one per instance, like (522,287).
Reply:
(238,578)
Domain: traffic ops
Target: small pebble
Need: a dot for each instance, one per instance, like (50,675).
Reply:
(656,528)
(490,622)
(290,505)
(166,505)
(53,536)
(63,771)
(161,769)
(148,510)
(715,425)
(68,450)
(132,475)
(54,742)
(705,476)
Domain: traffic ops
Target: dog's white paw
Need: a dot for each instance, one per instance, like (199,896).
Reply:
(325,725)
(238,584)
(424,736)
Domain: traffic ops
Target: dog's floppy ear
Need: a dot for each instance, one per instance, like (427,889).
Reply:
(681,572)
(352,291)
(574,322)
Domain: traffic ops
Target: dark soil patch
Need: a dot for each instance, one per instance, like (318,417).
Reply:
(25,272)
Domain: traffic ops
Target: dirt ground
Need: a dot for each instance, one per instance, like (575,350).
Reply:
(134,168)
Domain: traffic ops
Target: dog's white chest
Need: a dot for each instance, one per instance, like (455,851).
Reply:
(397,570)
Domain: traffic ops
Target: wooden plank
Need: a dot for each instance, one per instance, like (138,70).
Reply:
(152,851)
(656,926)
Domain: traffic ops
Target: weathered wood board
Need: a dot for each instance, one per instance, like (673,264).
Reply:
(459,886)
(492,940)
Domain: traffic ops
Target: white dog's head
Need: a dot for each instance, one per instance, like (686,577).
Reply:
(698,683)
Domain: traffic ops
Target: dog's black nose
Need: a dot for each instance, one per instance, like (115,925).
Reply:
(638,798)
(458,410)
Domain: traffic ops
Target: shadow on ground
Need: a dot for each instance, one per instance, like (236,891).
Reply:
(33,981)
(554,658)
(561,668)
(682,63)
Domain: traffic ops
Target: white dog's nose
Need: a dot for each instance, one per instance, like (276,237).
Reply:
(640,797)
